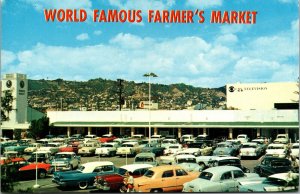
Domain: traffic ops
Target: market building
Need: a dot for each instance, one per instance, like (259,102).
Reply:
(257,109)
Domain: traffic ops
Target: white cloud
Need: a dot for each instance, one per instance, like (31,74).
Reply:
(7,57)
(202,4)
(97,32)
(82,37)
(39,5)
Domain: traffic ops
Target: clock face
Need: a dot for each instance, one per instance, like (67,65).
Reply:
(22,84)
(8,83)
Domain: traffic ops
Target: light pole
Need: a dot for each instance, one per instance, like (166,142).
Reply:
(36,169)
(149,75)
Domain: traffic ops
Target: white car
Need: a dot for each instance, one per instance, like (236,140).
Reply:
(219,179)
(52,147)
(107,149)
(88,148)
(128,148)
(282,138)
(295,150)
(90,137)
(251,149)
(277,150)
(191,151)
(173,149)
(187,137)
(243,138)
(32,148)
(167,142)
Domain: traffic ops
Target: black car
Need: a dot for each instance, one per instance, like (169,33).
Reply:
(273,165)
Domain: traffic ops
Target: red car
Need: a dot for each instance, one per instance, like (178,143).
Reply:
(113,182)
(72,147)
(106,138)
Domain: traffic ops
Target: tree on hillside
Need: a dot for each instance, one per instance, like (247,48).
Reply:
(6,104)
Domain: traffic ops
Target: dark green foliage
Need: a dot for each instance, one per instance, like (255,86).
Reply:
(8,178)
(39,128)
(6,104)
(17,134)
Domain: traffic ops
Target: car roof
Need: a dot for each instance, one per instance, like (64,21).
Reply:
(276,144)
(165,167)
(185,156)
(146,154)
(97,163)
(133,167)
(221,169)
(65,153)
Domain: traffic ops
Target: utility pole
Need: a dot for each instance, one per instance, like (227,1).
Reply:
(121,99)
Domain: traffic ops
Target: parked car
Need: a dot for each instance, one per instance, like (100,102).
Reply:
(218,179)
(167,142)
(205,149)
(226,148)
(76,137)
(282,138)
(251,149)
(281,182)
(145,158)
(84,176)
(129,148)
(29,170)
(168,178)
(32,148)
(295,150)
(114,181)
(277,149)
(173,149)
(20,147)
(52,147)
(10,154)
(273,165)
(40,156)
(107,149)
(88,149)
(186,137)
(262,143)
(243,138)
(106,138)
(154,148)
(65,161)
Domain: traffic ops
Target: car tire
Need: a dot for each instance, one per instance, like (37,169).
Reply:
(42,174)
(83,185)
(156,191)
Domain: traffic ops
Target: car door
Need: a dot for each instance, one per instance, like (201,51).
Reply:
(227,181)
(168,180)
(181,177)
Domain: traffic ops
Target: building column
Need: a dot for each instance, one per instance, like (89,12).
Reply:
(230,133)
(68,131)
(286,131)
(132,131)
(110,130)
(89,130)
(192,131)
(179,132)
(122,131)
(257,132)
(155,130)
(204,131)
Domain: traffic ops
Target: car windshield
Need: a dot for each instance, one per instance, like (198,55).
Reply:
(280,163)
(281,136)
(274,148)
(223,145)
(186,160)
(38,155)
(127,145)
(205,175)
(229,162)
(295,146)
(174,147)
(149,173)
(143,159)
(168,141)
(107,146)
(248,146)
(275,182)
(62,156)
(121,171)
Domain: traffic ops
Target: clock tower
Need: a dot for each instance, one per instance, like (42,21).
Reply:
(17,84)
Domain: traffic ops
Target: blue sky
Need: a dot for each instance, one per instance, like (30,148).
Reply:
(202,55)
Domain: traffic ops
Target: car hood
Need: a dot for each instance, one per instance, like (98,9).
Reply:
(60,160)
(253,187)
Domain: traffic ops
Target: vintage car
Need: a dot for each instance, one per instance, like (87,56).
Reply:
(186,137)
(154,148)
(89,148)
(20,147)
(113,182)
(32,148)
(282,138)
(77,137)
(10,154)
(40,156)
(52,147)
(295,150)
(173,149)
(73,146)
(128,148)
(226,148)
(29,170)
(262,143)
(159,138)
(106,138)
(107,149)
(145,158)
(219,179)
(64,161)
(281,182)
(84,176)
(90,137)
(167,142)
(243,138)
(251,149)
(204,149)
(167,178)
(277,149)
(273,165)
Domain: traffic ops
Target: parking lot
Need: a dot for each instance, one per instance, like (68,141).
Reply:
(46,184)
